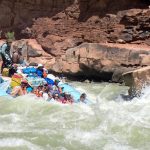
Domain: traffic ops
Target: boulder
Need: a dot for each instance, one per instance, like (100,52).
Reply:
(34,49)
(103,61)
(137,80)
(28,47)
(31,51)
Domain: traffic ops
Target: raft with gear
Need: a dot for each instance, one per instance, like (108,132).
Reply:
(35,79)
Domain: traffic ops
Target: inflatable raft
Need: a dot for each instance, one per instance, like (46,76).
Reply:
(35,81)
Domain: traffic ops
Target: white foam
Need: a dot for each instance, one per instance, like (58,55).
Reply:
(108,124)
(15,142)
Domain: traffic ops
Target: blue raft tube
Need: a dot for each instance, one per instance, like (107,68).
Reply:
(4,85)
(74,93)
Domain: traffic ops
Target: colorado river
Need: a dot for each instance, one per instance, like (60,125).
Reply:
(109,124)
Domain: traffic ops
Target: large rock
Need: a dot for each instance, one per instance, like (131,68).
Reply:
(31,50)
(137,80)
(103,61)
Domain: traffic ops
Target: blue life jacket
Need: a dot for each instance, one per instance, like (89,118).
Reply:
(33,70)
(49,81)
(29,89)
(39,72)
(29,70)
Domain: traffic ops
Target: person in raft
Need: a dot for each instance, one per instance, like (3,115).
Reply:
(5,55)
(67,98)
(20,90)
(83,98)
(56,88)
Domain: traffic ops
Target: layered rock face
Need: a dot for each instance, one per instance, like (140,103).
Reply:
(101,21)
(19,14)
(102,61)
(80,20)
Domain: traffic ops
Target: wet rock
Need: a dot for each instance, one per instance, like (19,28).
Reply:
(137,80)
(117,74)
(86,81)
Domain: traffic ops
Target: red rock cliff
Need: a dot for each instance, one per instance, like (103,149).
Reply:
(58,25)
(87,20)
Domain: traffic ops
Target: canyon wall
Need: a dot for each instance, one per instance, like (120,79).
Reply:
(88,20)
(59,25)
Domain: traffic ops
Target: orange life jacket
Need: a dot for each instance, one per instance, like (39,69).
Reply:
(44,74)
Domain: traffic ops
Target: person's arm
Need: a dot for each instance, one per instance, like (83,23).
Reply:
(3,48)
(60,90)
(16,91)
(5,54)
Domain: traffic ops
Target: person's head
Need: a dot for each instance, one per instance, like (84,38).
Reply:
(66,95)
(40,66)
(50,95)
(45,85)
(69,97)
(41,93)
(24,84)
(15,66)
(56,96)
(9,42)
(40,87)
(83,97)
(50,87)
(20,51)
(56,82)
(46,88)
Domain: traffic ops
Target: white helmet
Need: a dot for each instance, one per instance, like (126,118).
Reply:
(40,65)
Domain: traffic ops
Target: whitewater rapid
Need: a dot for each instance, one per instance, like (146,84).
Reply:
(110,123)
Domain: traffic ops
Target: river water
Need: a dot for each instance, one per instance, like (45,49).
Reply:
(110,123)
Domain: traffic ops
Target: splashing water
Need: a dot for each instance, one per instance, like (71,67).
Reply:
(27,123)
